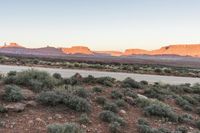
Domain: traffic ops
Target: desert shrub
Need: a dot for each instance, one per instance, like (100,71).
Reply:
(51,98)
(142,102)
(55,128)
(197,123)
(196,88)
(64,128)
(108,116)
(57,76)
(163,130)
(144,129)
(101,100)
(13,93)
(81,92)
(158,70)
(160,110)
(130,83)
(156,92)
(129,92)
(144,82)
(120,103)
(89,79)
(181,129)
(185,118)
(116,94)
(106,81)
(183,103)
(12,73)
(143,121)
(111,107)
(190,99)
(75,79)
(36,80)
(77,103)
(115,127)
(198,110)
(84,119)
(2,109)
(97,89)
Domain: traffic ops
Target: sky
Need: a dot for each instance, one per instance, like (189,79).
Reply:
(100,24)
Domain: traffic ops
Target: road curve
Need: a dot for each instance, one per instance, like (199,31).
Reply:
(118,75)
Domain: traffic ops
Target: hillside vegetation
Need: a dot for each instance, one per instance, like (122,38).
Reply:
(36,102)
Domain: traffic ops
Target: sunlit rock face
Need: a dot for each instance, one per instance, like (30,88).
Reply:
(182,50)
(77,50)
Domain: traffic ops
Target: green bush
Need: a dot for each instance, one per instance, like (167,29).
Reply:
(57,76)
(111,107)
(143,121)
(97,89)
(89,79)
(11,73)
(190,99)
(51,98)
(160,110)
(115,127)
(13,93)
(64,128)
(81,92)
(120,103)
(100,100)
(198,110)
(36,80)
(142,102)
(106,81)
(77,103)
(55,128)
(185,118)
(76,79)
(182,129)
(198,124)
(108,116)
(130,83)
(84,119)
(116,95)
(183,103)
(2,109)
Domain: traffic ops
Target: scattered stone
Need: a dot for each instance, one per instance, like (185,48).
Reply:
(122,112)
(50,118)
(142,96)
(58,116)
(84,126)
(31,104)
(15,107)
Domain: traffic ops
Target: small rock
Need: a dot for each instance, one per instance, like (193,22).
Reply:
(50,118)
(142,96)
(31,103)
(84,126)
(16,107)
(58,116)
(122,112)
(191,128)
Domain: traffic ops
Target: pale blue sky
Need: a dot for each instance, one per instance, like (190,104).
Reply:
(100,24)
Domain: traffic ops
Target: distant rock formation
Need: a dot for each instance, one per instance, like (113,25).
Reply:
(11,45)
(77,50)
(180,50)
